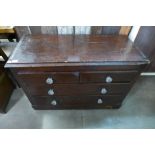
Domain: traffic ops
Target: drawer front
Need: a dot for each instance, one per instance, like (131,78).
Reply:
(78,89)
(49,78)
(108,77)
(75,101)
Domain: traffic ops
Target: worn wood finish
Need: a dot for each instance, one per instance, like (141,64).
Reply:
(57,77)
(76,89)
(66,102)
(112,30)
(117,76)
(65,30)
(145,41)
(103,106)
(43,30)
(56,67)
(82,29)
(49,30)
(78,66)
(75,77)
(72,30)
(96,30)
(79,49)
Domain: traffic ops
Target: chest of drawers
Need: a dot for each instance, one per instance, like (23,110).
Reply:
(76,72)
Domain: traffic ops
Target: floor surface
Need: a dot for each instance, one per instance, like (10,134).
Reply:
(137,111)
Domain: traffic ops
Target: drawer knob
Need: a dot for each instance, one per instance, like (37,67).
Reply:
(54,102)
(49,80)
(99,101)
(108,79)
(51,92)
(104,91)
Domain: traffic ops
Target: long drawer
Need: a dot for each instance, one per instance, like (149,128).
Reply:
(76,77)
(78,89)
(42,77)
(108,77)
(76,101)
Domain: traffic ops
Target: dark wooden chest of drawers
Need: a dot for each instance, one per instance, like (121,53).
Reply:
(76,72)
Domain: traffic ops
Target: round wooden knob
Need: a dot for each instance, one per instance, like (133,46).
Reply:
(54,102)
(104,91)
(99,101)
(108,79)
(49,80)
(51,92)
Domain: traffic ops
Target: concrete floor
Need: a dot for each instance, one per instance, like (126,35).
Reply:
(138,111)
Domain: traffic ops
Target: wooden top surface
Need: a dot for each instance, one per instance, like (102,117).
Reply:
(38,50)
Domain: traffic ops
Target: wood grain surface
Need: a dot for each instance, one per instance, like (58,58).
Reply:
(79,66)
(35,49)
(68,30)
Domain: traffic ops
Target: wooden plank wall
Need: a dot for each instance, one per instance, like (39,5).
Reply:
(73,30)
(145,41)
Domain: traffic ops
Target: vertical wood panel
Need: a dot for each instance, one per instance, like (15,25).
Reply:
(125,30)
(82,29)
(49,30)
(35,29)
(145,41)
(104,30)
(43,29)
(96,30)
(111,30)
(65,30)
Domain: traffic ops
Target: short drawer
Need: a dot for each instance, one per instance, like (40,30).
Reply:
(108,77)
(49,77)
(78,89)
(76,101)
